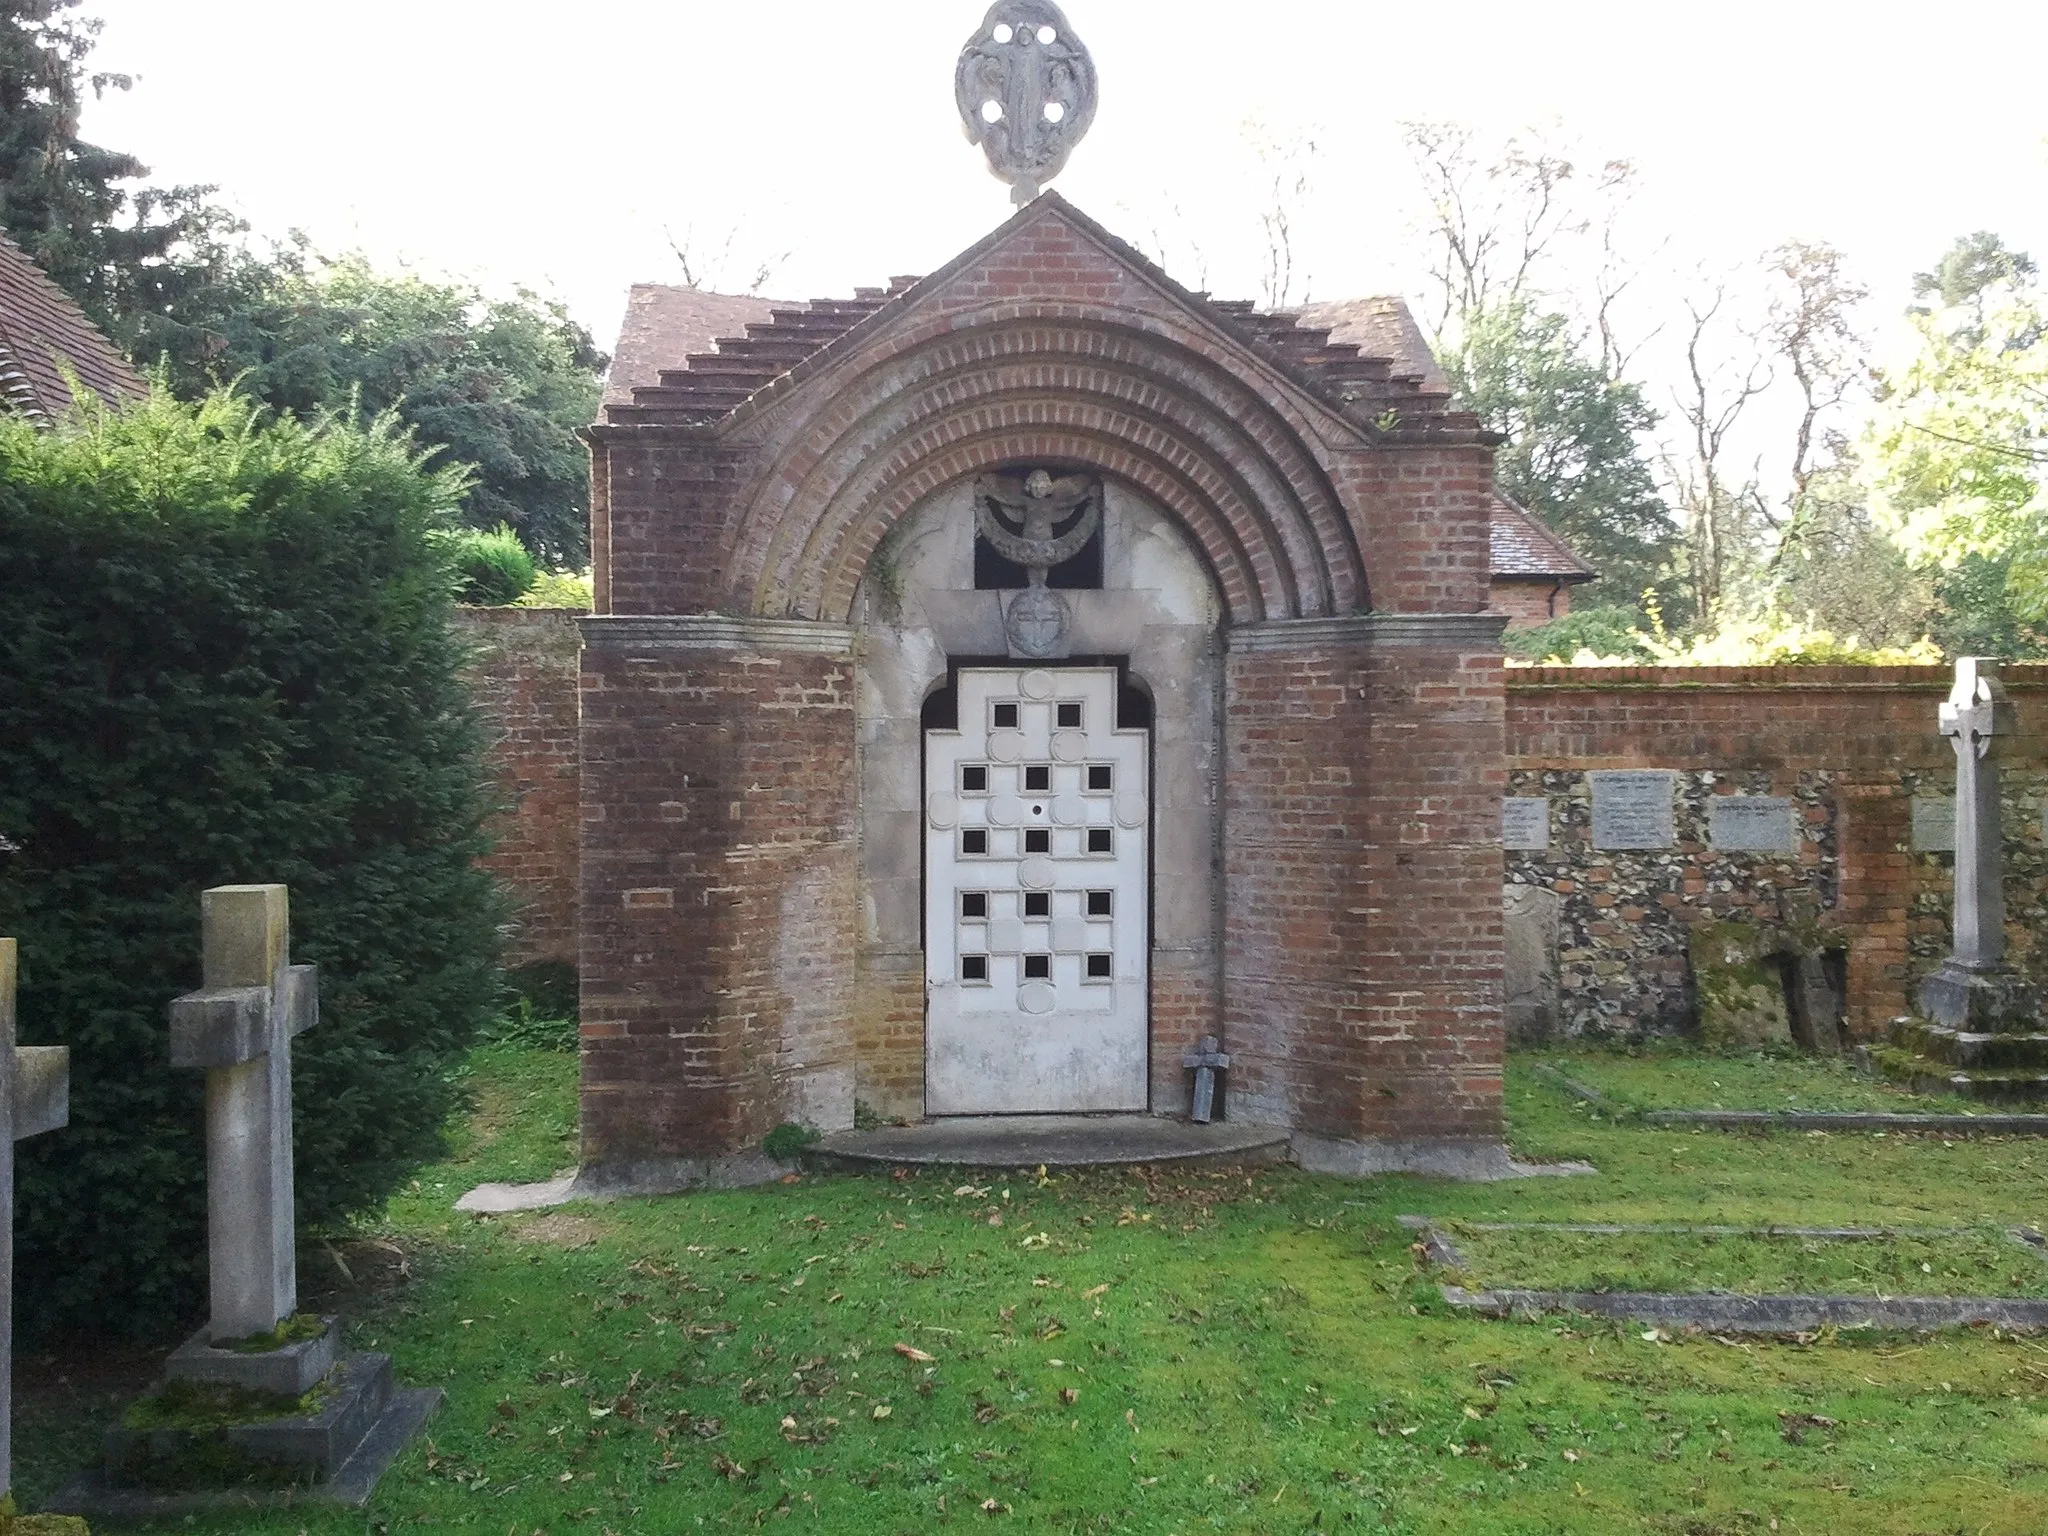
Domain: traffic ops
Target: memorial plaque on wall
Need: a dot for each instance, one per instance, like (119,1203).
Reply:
(1934,824)
(1633,808)
(1525,823)
(1751,824)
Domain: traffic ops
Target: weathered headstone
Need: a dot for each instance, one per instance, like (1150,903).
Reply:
(35,1096)
(1751,824)
(240,1030)
(1632,808)
(1207,1061)
(1934,824)
(1974,989)
(1525,823)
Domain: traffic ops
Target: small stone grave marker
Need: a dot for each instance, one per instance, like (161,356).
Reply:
(1934,824)
(1632,808)
(35,1096)
(1209,1059)
(1751,824)
(1525,822)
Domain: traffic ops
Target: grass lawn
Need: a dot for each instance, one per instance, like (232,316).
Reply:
(1673,1077)
(1133,1352)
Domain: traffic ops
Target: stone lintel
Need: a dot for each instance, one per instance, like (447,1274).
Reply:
(634,633)
(220,1027)
(42,1089)
(1473,631)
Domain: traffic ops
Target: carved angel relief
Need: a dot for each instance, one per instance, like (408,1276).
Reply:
(1026,91)
(1036,620)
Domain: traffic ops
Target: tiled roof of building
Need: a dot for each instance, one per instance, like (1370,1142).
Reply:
(1381,327)
(42,335)
(656,377)
(1524,548)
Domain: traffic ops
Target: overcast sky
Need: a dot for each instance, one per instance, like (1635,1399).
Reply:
(563,146)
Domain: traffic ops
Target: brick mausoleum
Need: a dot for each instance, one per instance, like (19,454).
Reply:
(873,811)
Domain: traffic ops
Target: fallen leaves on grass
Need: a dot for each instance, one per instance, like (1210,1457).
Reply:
(559,1229)
(915,1355)
(1793,1426)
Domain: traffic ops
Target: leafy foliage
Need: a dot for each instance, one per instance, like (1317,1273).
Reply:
(494,567)
(1961,440)
(1609,633)
(228,659)
(1572,455)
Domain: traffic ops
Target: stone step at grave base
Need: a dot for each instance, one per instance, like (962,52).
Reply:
(1997,1067)
(354,1427)
(2024,1051)
(1055,1141)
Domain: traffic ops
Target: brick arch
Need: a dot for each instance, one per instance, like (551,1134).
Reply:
(1242,467)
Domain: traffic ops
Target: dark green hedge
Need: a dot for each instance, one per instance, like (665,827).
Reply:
(225,657)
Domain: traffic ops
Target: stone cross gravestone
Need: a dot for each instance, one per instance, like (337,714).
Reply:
(1974,989)
(35,1096)
(239,1028)
(1207,1061)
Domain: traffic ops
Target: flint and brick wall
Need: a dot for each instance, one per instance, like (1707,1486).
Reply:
(1852,747)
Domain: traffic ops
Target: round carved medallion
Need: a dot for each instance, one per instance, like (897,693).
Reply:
(1026,91)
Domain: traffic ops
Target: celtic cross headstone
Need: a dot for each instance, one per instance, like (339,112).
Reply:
(1026,91)
(35,1096)
(1974,988)
(239,1029)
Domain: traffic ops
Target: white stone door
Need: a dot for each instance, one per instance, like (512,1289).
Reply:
(1036,911)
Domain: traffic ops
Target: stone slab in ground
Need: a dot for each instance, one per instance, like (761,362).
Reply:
(1056,1141)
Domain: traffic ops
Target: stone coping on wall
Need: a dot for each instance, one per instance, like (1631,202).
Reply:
(1829,679)
(1370,629)
(715,632)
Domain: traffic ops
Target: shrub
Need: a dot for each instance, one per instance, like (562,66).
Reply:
(227,658)
(493,569)
(788,1140)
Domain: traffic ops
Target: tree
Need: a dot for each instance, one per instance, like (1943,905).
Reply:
(124,251)
(1961,436)
(1722,509)
(1572,454)
(227,659)
(501,385)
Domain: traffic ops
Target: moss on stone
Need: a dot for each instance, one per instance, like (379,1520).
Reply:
(1741,994)
(296,1329)
(198,1406)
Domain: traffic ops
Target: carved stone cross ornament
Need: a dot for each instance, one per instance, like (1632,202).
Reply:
(35,1096)
(240,1029)
(1026,90)
(1036,619)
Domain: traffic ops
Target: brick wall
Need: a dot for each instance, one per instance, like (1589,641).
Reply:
(1850,746)
(1528,604)
(524,677)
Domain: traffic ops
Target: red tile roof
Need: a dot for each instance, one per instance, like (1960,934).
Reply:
(1524,548)
(43,334)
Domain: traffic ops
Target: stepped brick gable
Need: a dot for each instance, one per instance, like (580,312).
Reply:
(1291,583)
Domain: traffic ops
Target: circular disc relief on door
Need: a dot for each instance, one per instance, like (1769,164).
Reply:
(1130,810)
(1005,746)
(944,811)
(1005,811)
(1037,998)
(1069,811)
(1069,746)
(1037,873)
(1035,685)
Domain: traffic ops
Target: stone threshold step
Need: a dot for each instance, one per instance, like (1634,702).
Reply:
(1054,1141)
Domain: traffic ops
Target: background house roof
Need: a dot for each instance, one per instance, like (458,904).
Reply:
(43,334)
(665,324)
(1524,548)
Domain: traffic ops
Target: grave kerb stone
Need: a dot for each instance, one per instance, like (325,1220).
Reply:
(239,1029)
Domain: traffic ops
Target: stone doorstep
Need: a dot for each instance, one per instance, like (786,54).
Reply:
(350,1442)
(292,1371)
(350,1487)
(1055,1141)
